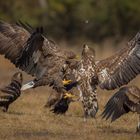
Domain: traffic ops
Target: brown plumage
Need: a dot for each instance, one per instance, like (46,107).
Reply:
(127,99)
(85,74)
(10,93)
(110,73)
(32,52)
(120,68)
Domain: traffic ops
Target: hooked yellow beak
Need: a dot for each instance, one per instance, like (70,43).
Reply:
(66,82)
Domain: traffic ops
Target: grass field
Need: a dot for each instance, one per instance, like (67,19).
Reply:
(27,119)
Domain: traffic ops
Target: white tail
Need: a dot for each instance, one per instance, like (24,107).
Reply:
(28,85)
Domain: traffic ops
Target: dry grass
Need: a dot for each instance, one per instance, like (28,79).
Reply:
(28,119)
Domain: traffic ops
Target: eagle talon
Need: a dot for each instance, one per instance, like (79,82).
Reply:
(68,95)
(66,82)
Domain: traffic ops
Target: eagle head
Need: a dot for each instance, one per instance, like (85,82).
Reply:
(88,53)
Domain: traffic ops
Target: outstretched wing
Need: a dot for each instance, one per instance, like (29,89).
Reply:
(125,100)
(30,50)
(115,107)
(120,68)
(12,40)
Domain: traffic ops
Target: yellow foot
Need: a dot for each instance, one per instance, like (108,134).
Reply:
(68,95)
(66,82)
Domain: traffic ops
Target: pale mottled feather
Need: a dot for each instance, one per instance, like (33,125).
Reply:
(122,67)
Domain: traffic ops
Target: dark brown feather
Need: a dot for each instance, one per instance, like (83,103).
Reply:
(125,100)
(11,92)
(32,52)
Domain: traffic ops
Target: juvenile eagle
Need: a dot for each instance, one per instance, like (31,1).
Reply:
(32,52)
(110,73)
(10,93)
(125,100)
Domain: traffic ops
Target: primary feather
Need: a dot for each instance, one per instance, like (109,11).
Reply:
(125,100)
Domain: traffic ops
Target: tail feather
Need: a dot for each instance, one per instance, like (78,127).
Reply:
(28,85)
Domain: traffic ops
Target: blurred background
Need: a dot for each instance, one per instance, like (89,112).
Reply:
(74,20)
(106,25)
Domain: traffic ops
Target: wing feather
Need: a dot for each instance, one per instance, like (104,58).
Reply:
(30,50)
(12,40)
(115,106)
(120,68)
(125,100)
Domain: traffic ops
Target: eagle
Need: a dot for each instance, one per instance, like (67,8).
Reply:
(127,99)
(31,51)
(11,92)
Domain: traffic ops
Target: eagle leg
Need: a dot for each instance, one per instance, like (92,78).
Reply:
(90,105)
(57,95)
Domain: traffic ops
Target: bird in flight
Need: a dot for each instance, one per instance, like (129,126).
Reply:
(32,52)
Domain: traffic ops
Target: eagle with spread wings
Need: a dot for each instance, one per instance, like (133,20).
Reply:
(33,53)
